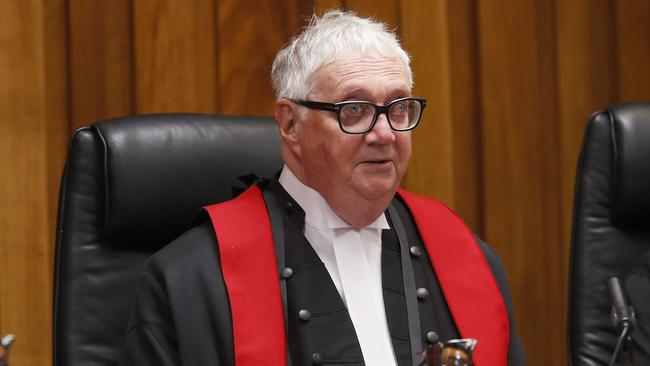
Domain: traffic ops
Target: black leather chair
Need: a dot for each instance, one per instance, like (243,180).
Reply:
(611,232)
(130,186)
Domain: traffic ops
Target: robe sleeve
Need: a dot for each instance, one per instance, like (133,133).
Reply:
(150,337)
(181,314)
(516,354)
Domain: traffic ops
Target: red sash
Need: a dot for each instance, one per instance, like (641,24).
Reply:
(251,276)
(465,277)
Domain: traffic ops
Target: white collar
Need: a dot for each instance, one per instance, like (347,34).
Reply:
(318,212)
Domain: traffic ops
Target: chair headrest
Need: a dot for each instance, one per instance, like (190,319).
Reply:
(161,169)
(631,140)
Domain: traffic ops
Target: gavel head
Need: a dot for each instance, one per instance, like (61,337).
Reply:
(455,352)
(458,352)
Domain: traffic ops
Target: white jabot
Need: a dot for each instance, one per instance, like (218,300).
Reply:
(353,259)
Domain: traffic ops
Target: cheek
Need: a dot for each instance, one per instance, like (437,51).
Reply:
(320,157)
(404,149)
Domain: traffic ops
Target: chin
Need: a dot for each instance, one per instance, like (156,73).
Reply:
(374,192)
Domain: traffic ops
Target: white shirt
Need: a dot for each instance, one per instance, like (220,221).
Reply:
(330,236)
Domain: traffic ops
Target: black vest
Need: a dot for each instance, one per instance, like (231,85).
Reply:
(320,328)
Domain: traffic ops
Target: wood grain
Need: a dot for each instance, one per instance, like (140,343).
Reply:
(101,60)
(386,11)
(175,56)
(633,46)
(441,39)
(522,216)
(509,85)
(320,6)
(250,35)
(33,126)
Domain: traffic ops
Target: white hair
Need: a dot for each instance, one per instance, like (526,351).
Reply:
(337,34)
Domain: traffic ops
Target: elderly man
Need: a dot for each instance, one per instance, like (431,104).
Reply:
(328,264)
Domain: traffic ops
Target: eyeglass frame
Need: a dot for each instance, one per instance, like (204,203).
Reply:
(379,110)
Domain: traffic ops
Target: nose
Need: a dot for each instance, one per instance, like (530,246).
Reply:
(381,132)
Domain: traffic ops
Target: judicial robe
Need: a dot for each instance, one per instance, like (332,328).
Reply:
(182,314)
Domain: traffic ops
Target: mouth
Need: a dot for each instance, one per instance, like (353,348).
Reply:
(377,162)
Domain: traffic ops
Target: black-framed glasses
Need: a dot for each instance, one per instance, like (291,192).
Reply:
(356,117)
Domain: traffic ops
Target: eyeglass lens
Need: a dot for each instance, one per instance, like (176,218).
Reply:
(358,117)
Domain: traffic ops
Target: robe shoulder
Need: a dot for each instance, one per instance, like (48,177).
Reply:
(181,314)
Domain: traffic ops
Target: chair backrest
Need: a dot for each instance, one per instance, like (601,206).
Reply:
(130,186)
(611,224)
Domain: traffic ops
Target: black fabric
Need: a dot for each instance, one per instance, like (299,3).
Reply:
(182,314)
(130,185)
(610,229)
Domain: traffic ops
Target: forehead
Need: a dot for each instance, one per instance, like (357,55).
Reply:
(362,77)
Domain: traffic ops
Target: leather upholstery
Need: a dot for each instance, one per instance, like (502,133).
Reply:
(611,226)
(130,186)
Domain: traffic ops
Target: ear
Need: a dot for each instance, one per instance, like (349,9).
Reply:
(287,116)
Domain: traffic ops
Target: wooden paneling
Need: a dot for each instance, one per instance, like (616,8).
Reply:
(101,58)
(175,56)
(520,158)
(320,6)
(633,25)
(387,11)
(446,144)
(509,86)
(250,34)
(33,128)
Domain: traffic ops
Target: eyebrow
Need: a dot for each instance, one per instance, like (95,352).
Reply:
(359,92)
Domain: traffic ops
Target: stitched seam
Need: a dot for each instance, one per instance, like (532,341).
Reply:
(153,335)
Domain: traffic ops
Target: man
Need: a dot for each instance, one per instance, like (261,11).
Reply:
(365,276)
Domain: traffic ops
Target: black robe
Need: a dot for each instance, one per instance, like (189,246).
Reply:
(182,315)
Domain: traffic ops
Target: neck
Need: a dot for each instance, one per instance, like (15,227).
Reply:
(351,207)
(357,211)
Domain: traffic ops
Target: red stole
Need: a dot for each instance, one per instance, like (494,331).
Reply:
(251,276)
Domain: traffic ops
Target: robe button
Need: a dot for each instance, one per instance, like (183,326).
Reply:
(288,206)
(316,358)
(304,315)
(286,272)
(432,337)
(422,293)
(415,251)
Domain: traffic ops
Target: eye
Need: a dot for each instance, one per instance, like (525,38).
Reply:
(399,108)
(353,109)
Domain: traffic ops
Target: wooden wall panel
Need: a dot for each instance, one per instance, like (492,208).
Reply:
(250,34)
(101,60)
(509,86)
(33,128)
(633,25)
(520,159)
(320,6)
(175,56)
(441,39)
(387,11)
